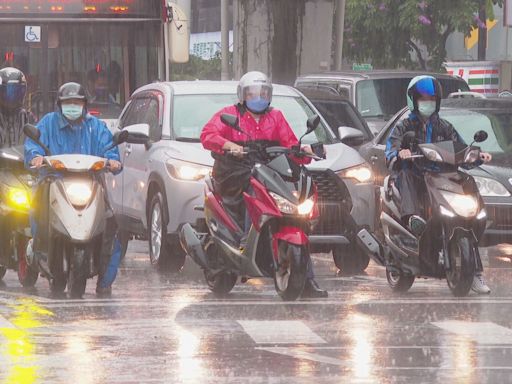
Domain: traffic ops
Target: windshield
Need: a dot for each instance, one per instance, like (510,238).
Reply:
(497,124)
(189,120)
(383,98)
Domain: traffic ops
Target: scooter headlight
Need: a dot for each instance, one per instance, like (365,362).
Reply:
(18,198)
(286,206)
(462,205)
(79,194)
(306,207)
(432,154)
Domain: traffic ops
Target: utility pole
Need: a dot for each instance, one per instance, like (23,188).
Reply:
(224,39)
(482,32)
(340,26)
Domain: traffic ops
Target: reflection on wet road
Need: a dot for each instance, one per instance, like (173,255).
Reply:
(166,329)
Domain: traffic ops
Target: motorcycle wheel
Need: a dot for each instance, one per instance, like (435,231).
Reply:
(78,272)
(398,281)
(124,238)
(290,276)
(350,259)
(59,281)
(168,256)
(27,274)
(3,270)
(462,266)
(222,283)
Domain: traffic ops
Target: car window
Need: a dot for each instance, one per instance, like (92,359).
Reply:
(151,117)
(136,112)
(384,138)
(192,112)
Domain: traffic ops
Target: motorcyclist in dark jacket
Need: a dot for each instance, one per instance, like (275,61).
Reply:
(424,100)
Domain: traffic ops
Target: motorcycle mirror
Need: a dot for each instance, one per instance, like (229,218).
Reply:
(32,132)
(312,123)
(230,120)
(480,136)
(120,137)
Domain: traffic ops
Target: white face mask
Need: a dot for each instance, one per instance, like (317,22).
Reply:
(426,108)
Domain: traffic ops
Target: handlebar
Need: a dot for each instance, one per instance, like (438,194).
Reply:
(275,150)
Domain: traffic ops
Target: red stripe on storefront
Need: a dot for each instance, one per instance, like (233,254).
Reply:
(484,72)
(484,90)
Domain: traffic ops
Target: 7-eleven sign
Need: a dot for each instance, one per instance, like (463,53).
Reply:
(482,79)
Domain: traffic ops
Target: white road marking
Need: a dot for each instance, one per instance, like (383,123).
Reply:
(480,332)
(298,354)
(280,332)
(4,323)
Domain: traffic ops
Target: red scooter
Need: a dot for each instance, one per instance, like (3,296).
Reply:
(282,205)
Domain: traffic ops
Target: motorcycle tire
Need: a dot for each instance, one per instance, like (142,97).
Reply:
(59,281)
(350,260)
(78,272)
(3,270)
(124,238)
(167,255)
(290,276)
(27,274)
(222,283)
(462,266)
(398,281)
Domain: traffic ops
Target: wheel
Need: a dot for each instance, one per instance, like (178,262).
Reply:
(398,281)
(59,281)
(462,266)
(222,283)
(350,259)
(3,270)
(78,271)
(167,255)
(290,276)
(124,238)
(27,274)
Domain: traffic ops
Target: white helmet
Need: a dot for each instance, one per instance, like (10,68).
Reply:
(255,91)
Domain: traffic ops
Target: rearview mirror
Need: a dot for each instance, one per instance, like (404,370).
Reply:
(137,134)
(312,123)
(350,136)
(230,120)
(480,136)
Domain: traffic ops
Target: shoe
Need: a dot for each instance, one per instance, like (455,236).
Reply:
(313,291)
(479,285)
(104,291)
(417,225)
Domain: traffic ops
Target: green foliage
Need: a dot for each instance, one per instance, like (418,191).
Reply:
(199,69)
(386,32)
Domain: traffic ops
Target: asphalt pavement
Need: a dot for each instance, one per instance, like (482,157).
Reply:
(171,329)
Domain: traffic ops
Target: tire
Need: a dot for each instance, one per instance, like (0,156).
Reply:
(462,266)
(124,238)
(3,270)
(78,271)
(222,283)
(27,274)
(59,281)
(167,255)
(398,281)
(290,277)
(350,259)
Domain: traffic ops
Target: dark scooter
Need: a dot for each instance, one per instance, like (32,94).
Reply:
(455,214)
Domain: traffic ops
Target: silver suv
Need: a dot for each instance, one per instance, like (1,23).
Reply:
(163,173)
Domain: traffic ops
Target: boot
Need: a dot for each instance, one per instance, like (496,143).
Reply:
(312,290)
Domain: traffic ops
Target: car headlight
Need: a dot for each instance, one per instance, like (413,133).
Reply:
(188,171)
(286,206)
(361,173)
(462,205)
(432,154)
(79,194)
(490,187)
(18,198)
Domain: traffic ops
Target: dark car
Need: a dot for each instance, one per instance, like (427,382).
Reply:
(494,179)
(378,94)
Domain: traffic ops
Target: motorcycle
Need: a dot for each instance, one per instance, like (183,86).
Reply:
(455,215)
(283,208)
(15,187)
(72,187)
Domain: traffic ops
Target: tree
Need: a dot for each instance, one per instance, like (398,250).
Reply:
(386,32)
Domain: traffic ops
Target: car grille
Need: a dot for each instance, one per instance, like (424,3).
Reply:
(501,216)
(332,195)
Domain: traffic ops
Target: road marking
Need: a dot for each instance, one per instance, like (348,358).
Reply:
(298,354)
(280,332)
(4,323)
(480,332)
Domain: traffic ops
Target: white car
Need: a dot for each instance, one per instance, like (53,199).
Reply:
(162,180)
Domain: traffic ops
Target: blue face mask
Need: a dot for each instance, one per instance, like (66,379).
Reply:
(257,105)
(72,112)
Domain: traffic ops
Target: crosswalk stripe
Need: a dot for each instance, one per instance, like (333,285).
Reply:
(480,332)
(280,332)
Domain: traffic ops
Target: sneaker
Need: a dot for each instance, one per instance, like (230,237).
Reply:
(479,285)
(417,225)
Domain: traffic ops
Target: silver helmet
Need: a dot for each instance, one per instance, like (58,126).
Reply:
(255,91)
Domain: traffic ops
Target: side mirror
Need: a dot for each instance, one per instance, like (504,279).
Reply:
(350,136)
(120,137)
(137,134)
(480,136)
(32,132)
(230,120)
(312,123)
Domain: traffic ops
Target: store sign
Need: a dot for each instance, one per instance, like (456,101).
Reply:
(32,34)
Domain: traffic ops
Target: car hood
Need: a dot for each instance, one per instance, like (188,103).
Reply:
(190,152)
(339,156)
(500,168)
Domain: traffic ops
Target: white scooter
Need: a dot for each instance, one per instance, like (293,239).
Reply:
(67,250)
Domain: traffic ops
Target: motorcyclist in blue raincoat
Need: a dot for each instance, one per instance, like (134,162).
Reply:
(68,130)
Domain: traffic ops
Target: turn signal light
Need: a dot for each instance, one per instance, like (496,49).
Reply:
(97,166)
(58,165)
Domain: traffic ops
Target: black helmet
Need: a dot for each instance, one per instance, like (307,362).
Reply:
(71,91)
(13,87)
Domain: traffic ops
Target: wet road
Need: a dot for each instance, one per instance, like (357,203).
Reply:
(158,329)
